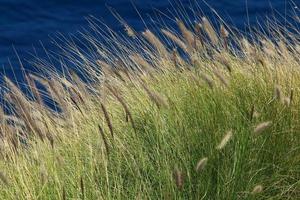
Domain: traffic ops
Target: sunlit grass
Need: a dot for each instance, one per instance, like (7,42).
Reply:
(218,119)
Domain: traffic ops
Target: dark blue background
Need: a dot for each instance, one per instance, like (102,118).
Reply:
(26,23)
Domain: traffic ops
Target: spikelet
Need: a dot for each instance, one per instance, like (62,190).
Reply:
(34,89)
(102,134)
(208,28)
(156,43)
(227,137)
(82,91)
(278,94)
(107,118)
(176,58)
(122,102)
(110,72)
(198,35)
(179,178)
(23,107)
(141,62)
(283,49)
(129,30)
(175,39)
(76,92)
(187,35)
(261,127)
(257,189)
(247,47)
(221,77)
(268,47)
(75,102)
(56,90)
(105,68)
(17,94)
(224,34)
(201,164)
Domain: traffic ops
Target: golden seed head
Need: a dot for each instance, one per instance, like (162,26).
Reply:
(227,137)
(201,164)
(257,189)
(261,127)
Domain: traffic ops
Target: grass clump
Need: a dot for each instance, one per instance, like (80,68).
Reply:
(146,122)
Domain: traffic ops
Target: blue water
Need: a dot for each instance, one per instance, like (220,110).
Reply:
(25,24)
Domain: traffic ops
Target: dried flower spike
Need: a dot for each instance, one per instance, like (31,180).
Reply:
(257,189)
(225,140)
(178,176)
(201,164)
(261,127)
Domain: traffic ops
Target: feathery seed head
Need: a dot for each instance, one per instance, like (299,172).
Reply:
(210,31)
(261,127)
(227,137)
(201,164)
(179,178)
(257,189)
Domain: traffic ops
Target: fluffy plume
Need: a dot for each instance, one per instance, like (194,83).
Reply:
(130,32)
(210,31)
(179,179)
(261,127)
(156,43)
(141,62)
(278,94)
(257,189)
(107,118)
(227,137)
(175,39)
(187,35)
(224,34)
(201,164)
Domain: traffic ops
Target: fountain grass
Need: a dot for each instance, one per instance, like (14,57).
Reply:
(203,123)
